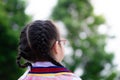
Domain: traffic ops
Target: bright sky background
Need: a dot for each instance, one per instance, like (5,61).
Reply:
(41,9)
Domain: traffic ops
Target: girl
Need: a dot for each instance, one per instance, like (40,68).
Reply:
(42,48)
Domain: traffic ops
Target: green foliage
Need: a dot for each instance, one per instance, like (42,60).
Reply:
(12,18)
(82,25)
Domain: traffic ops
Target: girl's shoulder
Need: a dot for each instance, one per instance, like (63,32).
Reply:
(48,73)
(55,76)
(50,77)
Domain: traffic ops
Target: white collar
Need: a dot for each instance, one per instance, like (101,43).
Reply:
(42,64)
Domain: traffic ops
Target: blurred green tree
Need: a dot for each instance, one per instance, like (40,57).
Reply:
(12,18)
(87,43)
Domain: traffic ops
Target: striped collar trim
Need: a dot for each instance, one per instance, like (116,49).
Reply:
(47,70)
(51,74)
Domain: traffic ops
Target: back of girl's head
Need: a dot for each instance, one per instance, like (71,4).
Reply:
(36,41)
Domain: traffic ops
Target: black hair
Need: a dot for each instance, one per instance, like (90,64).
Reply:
(36,41)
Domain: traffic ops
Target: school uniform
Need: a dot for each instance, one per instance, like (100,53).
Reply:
(48,71)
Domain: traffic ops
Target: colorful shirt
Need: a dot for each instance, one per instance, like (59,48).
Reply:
(45,72)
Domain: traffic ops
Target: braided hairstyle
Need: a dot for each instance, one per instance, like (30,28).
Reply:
(36,41)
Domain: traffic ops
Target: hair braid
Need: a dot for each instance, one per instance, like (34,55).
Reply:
(24,65)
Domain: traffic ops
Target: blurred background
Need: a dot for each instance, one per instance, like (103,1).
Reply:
(90,26)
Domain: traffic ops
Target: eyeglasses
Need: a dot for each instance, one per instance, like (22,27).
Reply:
(62,41)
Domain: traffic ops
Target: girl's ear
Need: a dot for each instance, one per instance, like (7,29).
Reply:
(55,48)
